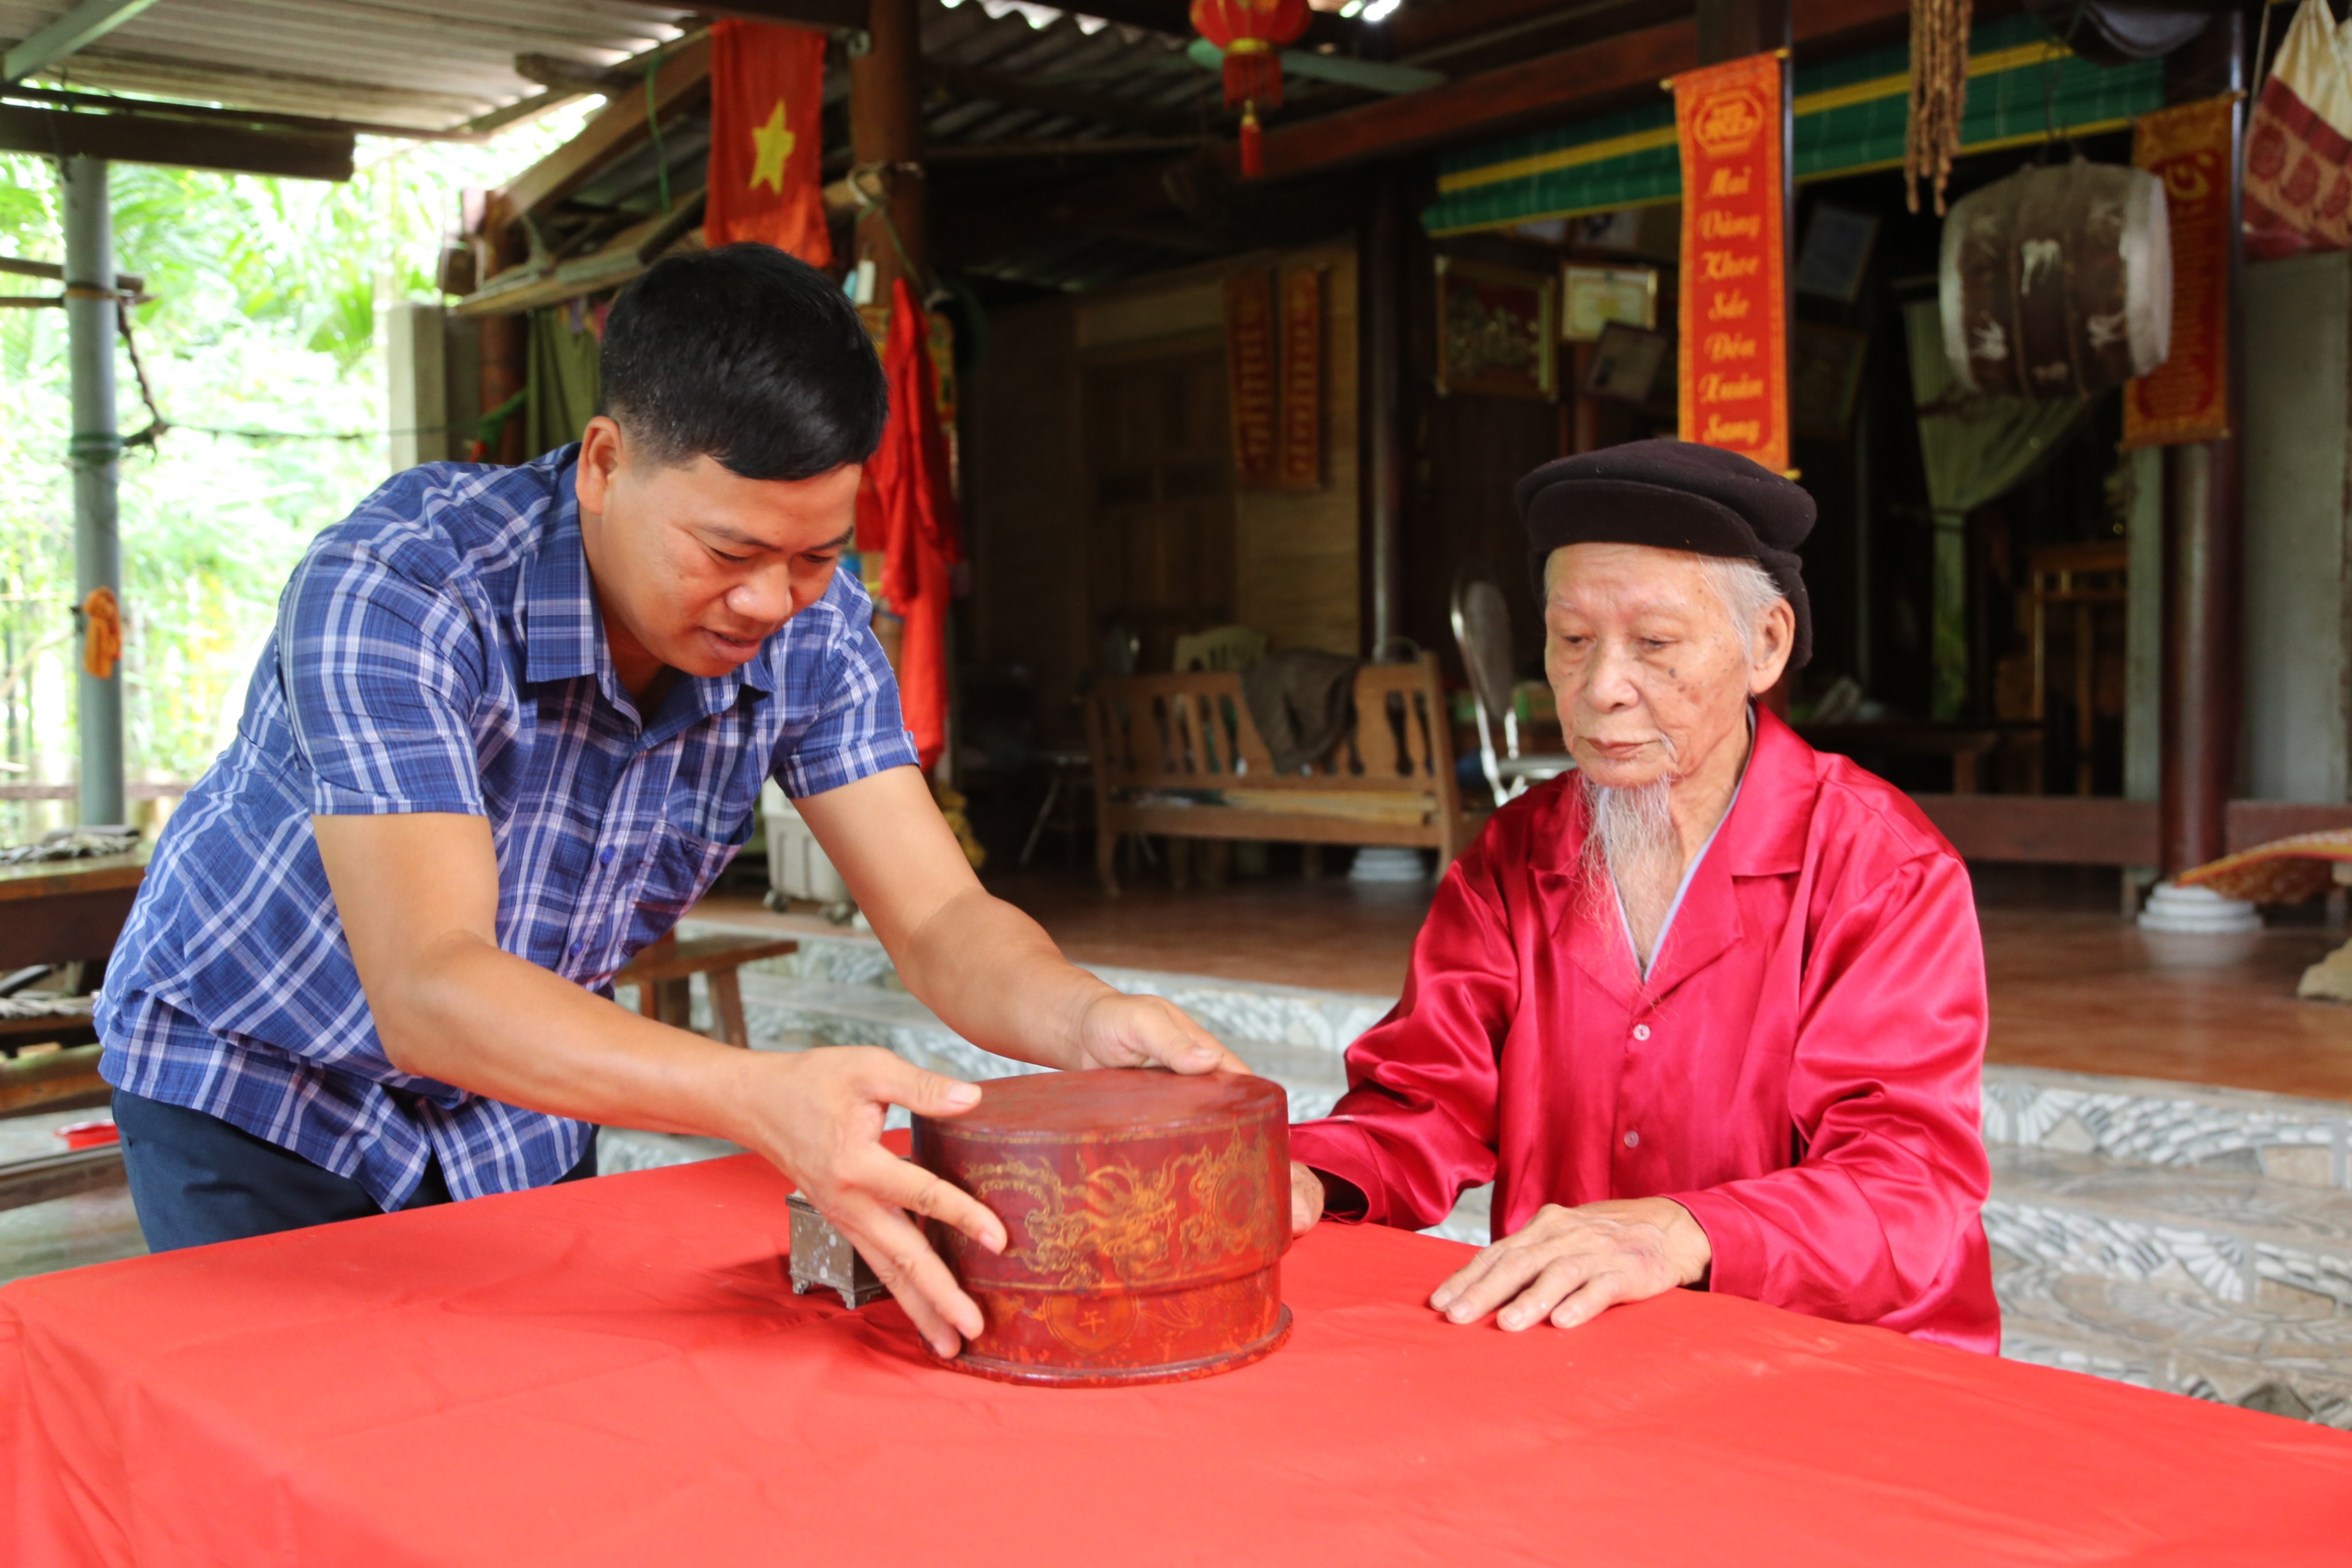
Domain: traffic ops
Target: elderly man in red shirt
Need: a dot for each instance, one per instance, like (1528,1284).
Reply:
(1709,1011)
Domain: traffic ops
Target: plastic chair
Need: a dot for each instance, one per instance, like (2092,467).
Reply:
(1482,628)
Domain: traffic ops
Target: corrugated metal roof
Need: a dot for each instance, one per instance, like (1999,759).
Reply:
(430,64)
(1063,78)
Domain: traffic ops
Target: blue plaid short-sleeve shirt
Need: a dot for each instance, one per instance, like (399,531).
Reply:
(440,650)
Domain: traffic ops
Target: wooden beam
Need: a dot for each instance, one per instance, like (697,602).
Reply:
(2253,822)
(148,138)
(615,262)
(1550,87)
(129,282)
(1465,23)
(50,1078)
(36,1181)
(2048,829)
(820,14)
(81,26)
(263,119)
(1013,148)
(1173,17)
(2100,830)
(1547,87)
(613,132)
(575,76)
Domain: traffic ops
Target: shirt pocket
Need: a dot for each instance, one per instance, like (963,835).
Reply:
(678,872)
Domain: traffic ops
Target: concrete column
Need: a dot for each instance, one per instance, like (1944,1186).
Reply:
(96,451)
(418,372)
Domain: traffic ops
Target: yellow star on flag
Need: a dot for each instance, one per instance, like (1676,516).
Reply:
(772,145)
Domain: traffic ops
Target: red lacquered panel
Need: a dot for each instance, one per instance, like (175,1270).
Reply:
(1146,1216)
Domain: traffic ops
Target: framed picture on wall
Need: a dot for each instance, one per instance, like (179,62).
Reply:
(1495,331)
(1625,363)
(1592,297)
(1824,378)
(1837,253)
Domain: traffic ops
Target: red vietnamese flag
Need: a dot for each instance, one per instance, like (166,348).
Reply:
(767,141)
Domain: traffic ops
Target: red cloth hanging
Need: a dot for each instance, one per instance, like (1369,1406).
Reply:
(767,139)
(906,514)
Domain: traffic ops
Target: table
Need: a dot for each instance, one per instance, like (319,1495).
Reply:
(663,971)
(66,911)
(615,1372)
(1966,744)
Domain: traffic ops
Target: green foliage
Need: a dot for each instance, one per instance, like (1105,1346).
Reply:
(265,296)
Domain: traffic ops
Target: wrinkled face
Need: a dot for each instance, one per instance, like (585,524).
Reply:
(1650,669)
(696,565)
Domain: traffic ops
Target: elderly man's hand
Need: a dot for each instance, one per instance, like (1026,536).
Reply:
(1573,1264)
(1118,1030)
(1306,1199)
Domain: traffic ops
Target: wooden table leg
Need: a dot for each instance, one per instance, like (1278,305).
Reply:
(673,1001)
(727,1001)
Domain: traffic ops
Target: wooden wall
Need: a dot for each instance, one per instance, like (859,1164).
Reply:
(1296,551)
(1025,508)
(1464,454)
(1034,520)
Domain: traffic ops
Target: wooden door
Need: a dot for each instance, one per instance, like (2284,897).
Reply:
(1160,463)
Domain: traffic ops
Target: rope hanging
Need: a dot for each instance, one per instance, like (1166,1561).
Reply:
(1939,93)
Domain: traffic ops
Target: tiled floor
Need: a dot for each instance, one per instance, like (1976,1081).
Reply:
(2073,986)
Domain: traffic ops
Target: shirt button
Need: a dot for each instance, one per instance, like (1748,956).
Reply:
(576,948)
(1641,1031)
(604,856)
(1633,1139)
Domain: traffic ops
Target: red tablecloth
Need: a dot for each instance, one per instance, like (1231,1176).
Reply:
(615,1372)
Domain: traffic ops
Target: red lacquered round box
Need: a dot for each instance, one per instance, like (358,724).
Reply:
(1146,1216)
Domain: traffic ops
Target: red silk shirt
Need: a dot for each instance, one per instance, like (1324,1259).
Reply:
(1800,1069)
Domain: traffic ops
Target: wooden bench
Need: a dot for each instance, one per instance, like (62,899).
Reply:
(663,973)
(1180,756)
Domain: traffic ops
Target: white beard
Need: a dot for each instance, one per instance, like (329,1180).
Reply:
(1629,843)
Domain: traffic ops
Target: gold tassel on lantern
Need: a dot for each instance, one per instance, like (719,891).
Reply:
(1939,94)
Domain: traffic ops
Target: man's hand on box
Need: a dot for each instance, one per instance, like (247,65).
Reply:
(817,1115)
(1116,1030)
(1573,1264)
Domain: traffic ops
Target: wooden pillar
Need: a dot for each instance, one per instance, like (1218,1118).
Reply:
(886,133)
(1381,304)
(2204,541)
(505,342)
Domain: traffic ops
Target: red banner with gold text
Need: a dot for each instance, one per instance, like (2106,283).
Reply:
(1249,369)
(1734,353)
(2187,398)
(1299,464)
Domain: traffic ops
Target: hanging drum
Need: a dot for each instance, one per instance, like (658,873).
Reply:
(2057,282)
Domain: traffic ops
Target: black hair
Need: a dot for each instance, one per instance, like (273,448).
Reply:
(746,354)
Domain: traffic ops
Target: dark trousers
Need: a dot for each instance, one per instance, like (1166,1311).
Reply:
(196,1179)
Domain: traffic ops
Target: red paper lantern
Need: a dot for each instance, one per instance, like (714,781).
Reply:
(1252,34)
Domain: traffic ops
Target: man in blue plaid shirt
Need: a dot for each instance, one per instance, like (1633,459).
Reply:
(512,723)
